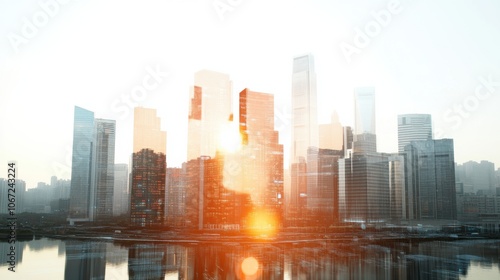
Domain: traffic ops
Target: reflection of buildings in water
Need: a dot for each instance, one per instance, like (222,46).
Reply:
(85,260)
(116,254)
(225,261)
(5,249)
(430,260)
(43,244)
(155,261)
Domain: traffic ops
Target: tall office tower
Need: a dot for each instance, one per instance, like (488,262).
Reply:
(304,107)
(365,140)
(331,136)
(264,164)
(413,127)
(82,177)
(92,170)
(121,191)
(175,197)
(364,195)
(431,179)
(104,168)
(147,196)
(397,187)
(209,112)
(322,201)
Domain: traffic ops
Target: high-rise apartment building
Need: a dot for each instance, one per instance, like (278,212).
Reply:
(175,196)
(413,127)
(92,170)
(147,196)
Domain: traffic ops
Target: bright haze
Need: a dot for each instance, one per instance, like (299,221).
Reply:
(441,58)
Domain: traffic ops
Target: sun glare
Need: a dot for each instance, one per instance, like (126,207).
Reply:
(230,140)
(250,266)
(262,223)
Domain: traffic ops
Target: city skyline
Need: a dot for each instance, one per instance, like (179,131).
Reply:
(445,69)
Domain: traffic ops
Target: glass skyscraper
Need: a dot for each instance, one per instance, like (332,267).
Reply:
(413,127)
(92,170)
(364,195)
(431,179)
(81,167)
(365,140)
(147,197)
(304,107)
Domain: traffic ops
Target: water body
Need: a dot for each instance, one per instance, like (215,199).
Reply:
(73,259)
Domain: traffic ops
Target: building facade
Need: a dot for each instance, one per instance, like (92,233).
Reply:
(147,194)
(430,173)
(413,127)
(92,169)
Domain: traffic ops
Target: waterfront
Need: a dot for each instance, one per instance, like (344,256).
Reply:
(76,259)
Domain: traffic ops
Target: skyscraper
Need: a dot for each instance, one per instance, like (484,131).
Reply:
(413,127)
(322,201)
(431,179)
(121,191)
(147,197)
(365,140)
(304,107)
(264,165)
(397,187)
(104,168)
(81,167)
(364,194)
(175,196)
(92,173)
(209,112)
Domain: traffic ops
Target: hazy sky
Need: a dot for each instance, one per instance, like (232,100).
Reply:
(437,57)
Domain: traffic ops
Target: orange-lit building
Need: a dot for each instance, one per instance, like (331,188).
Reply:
(209,204)
(262,156)
(147,197)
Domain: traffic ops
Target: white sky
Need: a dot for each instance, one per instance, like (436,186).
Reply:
(428,58)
